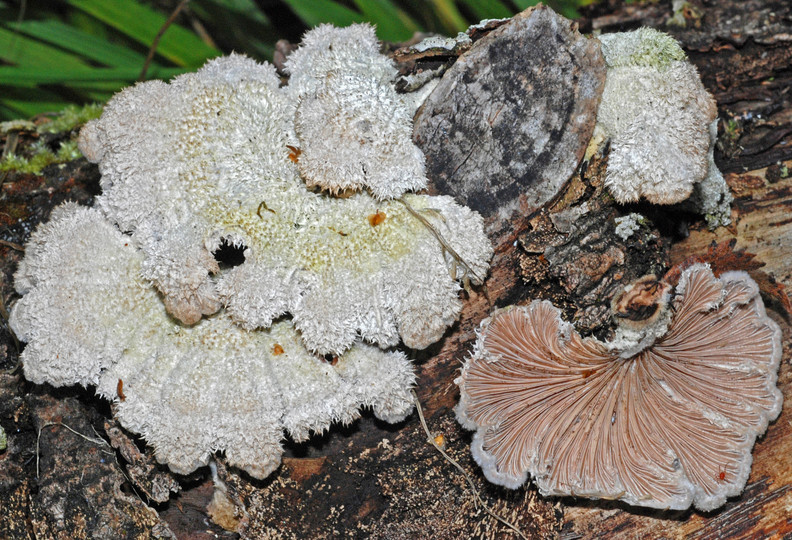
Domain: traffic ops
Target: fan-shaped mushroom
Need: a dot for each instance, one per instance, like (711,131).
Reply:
(670,426)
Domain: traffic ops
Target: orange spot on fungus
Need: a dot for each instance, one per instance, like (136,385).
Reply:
(294,153)
(376,219)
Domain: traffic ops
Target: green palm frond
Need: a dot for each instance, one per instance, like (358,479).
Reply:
(46,64)
(80,51)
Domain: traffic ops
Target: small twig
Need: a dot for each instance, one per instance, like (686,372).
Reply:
(11,143)
(453,462)
(201,30)
(157,38)
(440,238)
(10,147)
(11,245)
(99,441)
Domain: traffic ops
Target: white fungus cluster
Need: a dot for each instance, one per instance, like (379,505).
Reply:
(226,155)
(90,319)
(662,125)
(201,357)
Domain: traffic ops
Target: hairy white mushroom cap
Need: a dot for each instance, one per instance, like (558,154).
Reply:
(671,426)
(209,163)
(352,129)
(90,319)
(343,273)
(168,151)
(77,284)
(657,114)
(353,50)
(356,133)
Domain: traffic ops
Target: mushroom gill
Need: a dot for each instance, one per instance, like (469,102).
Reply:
(670,426)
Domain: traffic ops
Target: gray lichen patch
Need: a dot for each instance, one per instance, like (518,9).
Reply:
(510,121)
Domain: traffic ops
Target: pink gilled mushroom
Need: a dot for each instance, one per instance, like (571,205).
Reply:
(669,426)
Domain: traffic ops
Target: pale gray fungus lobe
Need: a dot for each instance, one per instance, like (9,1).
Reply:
(226,153)
(661,123)
(353,129)
(90,319)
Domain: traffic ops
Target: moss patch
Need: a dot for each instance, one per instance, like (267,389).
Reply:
(71,117)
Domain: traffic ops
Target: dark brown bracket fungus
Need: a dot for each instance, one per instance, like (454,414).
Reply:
(669,426)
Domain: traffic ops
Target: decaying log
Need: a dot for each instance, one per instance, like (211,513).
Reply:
(381,481)
(60,478)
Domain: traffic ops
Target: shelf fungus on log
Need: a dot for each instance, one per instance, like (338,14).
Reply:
(521,104)
(669,425)
(90,318)
(655,106)
(353,130)
(226,155)
(225,288)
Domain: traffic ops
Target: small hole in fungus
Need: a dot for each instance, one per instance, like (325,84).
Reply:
(228,255)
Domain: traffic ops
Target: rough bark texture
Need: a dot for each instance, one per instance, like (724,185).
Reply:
(374,480)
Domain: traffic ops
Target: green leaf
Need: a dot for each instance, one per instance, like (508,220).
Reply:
(567,8)
(449,16)
(488,9)
(236,8)
(26,103)
(392,23)
(315,12)
(101,96)
(23,51)
(8,113)
(239,24)
(85,45)
(525,4)
(19,76)
(141,23)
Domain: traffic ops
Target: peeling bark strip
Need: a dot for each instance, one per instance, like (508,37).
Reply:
(536,72)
